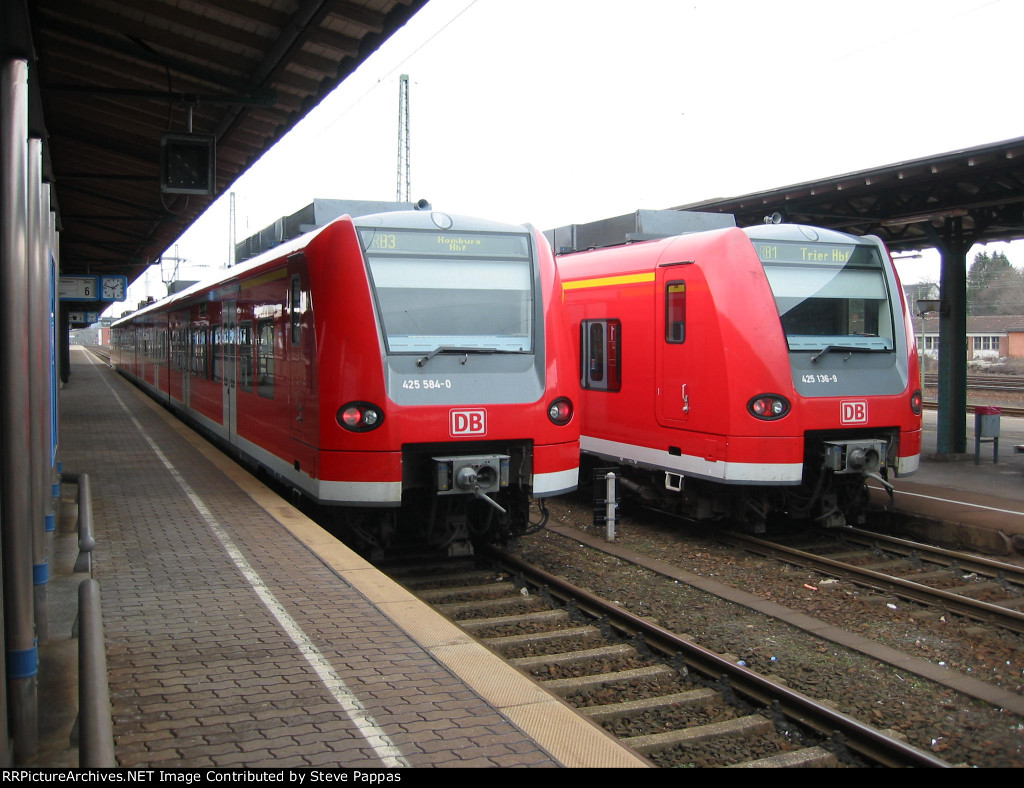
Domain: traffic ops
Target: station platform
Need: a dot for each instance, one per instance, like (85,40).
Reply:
(240,634)
(973,500)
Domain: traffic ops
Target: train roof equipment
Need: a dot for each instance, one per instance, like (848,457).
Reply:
(316,214)
(641,225)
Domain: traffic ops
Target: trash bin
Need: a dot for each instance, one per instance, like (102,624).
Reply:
(986,429)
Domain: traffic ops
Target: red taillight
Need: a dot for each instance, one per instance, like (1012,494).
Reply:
(916,402)
(768,406)
(360,416)
(560,411)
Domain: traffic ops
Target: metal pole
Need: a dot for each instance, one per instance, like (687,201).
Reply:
(53,265)
(609,507)
(38,414)
(951,434)
(21,653)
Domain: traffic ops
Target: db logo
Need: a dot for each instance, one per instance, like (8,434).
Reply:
(468,422)
(854,411)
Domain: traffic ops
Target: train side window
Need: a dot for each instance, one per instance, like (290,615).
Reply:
(215,351)
(296,310)
(199,352)
(600,349)
(245,378)
(179,349)
(207,352)
(675,312)
(265,358)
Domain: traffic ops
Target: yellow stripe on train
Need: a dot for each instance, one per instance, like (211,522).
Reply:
(605,281)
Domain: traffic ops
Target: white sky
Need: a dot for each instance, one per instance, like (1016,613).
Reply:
(555,112)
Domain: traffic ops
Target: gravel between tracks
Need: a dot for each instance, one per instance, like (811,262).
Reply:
(954,727)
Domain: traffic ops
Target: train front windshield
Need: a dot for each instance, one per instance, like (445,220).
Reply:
(829,294)
(465,291)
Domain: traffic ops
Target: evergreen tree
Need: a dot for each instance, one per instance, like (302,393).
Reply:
(994,286)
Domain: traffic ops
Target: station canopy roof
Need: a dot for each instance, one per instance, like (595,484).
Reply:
(112,85)
(113,82)
(974,195)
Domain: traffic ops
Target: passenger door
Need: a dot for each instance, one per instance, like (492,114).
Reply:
(674,350)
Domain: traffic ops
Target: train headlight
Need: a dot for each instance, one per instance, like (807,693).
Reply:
(916,402)
(560,411)
(360,416)
(768,407)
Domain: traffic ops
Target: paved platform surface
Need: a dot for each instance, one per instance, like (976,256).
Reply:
(971,498)
(240,634)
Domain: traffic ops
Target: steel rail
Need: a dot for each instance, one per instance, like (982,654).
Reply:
(860,738)
(1006,617)
(1004,409)
(970,562)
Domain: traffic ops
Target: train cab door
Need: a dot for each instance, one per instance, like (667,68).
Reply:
(674,350)
(229,367)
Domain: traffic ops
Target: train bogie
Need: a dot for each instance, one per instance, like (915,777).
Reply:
(399,368)
(745,373)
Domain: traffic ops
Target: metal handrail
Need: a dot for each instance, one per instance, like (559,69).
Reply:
(86,539)
(95,726)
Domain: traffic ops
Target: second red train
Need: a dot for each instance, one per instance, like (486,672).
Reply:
(741,374)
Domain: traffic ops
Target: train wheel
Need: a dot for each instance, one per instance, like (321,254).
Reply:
(369,531)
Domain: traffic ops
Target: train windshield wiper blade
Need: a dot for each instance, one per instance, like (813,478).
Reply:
(845,349)
(456,350)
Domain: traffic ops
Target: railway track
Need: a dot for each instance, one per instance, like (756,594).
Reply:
(968,585)
(101,352)
(1005,410)
(666,697)
(1011,383)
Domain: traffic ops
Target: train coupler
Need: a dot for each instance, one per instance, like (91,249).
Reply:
(475,475)
(855,456)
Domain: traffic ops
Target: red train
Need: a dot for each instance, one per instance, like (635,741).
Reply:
(408,366)
(741,373)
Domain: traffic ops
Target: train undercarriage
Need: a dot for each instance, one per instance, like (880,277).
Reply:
(453,502)
(833,493)
(450,526)
(829,500)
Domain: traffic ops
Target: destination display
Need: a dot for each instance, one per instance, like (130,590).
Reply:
(447,244)
(817,253)
(77,288)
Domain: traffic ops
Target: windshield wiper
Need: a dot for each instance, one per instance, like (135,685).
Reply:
(846,349)
(453,349)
